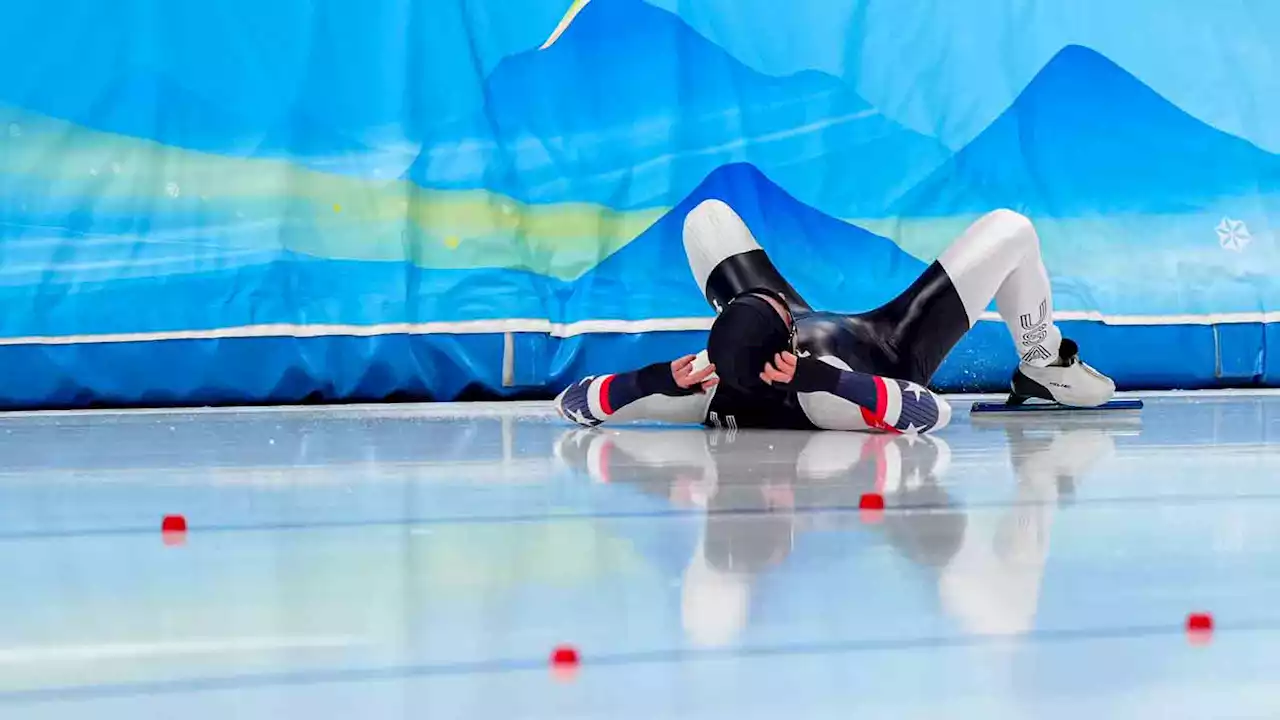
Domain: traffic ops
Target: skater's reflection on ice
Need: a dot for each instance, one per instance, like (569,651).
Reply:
(773,503)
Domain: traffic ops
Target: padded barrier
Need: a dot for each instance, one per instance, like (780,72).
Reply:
(451,367)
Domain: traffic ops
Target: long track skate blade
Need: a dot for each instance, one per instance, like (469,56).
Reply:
(1033,407)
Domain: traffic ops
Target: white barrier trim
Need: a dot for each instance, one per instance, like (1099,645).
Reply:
(558,330)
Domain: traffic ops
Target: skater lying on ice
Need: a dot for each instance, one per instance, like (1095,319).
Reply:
(774,362)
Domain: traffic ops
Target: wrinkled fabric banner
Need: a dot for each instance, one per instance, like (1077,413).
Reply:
(207,203)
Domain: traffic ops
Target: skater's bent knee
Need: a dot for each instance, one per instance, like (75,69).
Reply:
(713,220)
(1013,220)
(711,206)
(1014,230)
(713,232)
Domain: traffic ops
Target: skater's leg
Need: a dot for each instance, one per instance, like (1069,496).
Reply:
(910,336)
(999,257)
(726,260)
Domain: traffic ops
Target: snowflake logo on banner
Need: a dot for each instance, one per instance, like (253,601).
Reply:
(1233,234)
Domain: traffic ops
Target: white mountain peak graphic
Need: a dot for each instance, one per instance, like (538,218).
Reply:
(565,22)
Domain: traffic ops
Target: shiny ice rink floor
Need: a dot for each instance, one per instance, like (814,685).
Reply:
(423,561)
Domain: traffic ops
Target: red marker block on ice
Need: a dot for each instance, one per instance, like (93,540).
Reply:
(564,662)
(173,530)
(871,508)
(1199,628)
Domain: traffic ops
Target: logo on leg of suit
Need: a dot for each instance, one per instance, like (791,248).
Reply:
(1035,336)
(1029,324)
(1036,353)
(1036,331)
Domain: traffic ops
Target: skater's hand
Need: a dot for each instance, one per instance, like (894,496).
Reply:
(682,372)
(782,370)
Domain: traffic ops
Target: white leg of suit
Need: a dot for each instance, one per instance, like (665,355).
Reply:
(713,232)
(999,257)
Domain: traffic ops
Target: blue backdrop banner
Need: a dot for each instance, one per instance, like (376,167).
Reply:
(323,200)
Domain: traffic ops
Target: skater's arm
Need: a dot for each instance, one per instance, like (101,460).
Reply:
(667,392)
(849,396)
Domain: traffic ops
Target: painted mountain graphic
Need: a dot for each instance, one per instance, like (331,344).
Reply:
(833,264)
(632,108)
(1087,137)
